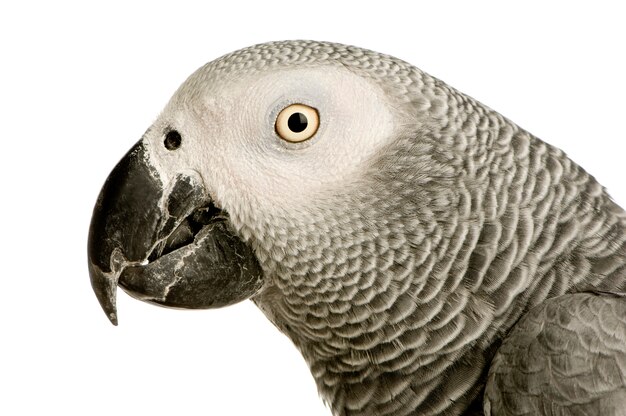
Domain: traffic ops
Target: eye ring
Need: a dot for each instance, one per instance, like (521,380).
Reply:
(173,140)
(297,123)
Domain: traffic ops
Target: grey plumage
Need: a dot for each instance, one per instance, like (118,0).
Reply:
(399,278)
(565,357)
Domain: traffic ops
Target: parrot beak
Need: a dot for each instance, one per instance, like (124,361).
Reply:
(165,243)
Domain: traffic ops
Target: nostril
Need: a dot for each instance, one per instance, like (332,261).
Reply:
(172,140)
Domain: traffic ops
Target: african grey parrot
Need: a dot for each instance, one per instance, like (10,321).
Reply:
(426,255)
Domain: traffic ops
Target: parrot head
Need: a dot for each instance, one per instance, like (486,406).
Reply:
(249,176)
(392,227)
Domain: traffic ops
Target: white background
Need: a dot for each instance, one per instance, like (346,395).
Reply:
(79,84)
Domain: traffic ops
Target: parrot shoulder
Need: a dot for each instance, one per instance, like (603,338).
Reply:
(565,356)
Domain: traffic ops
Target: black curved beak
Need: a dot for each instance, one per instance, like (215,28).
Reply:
(165,243)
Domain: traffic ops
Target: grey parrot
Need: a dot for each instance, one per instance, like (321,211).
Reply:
(426,255)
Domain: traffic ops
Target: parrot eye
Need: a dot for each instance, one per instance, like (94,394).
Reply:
(297,123)
(172,140)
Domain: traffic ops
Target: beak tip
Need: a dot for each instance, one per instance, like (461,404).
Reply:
(105,288)
(109,308)
(113,318)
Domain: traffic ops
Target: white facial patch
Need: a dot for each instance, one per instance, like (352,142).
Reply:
(227,125)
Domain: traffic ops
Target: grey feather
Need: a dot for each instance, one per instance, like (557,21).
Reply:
(399,281)
(399,290)
(565,357)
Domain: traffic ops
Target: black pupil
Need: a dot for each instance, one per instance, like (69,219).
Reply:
(172,140)
(297,122)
